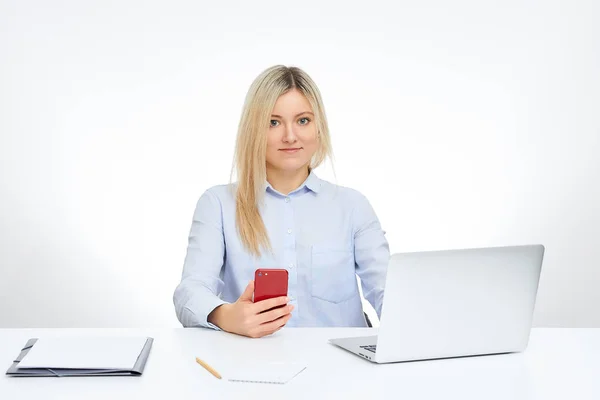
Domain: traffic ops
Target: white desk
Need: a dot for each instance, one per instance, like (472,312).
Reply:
(559,363)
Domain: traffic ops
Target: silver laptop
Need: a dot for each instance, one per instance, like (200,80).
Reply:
(454,303)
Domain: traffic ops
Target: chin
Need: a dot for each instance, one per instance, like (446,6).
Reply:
(291,166)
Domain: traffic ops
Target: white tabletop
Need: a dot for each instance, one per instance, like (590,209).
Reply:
(559,363)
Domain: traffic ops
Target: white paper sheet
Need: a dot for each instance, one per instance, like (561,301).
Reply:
(84,353)
(266,373)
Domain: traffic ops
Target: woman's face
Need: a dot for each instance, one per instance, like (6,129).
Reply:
(292,136)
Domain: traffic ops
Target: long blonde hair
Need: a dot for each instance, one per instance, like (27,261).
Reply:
(251,146)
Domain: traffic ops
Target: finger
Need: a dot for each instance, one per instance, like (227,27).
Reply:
(277,329)
(270,303)
(275,314)
(273,326)
(247,295)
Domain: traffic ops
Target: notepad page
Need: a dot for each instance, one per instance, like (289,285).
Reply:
(84,353)
(266,373)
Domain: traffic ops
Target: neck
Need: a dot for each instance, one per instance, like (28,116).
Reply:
(286,181)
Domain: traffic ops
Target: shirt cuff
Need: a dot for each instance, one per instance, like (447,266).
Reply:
(196,311)
(211,325)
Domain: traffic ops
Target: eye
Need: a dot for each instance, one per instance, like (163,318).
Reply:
(274,120)
(304,119)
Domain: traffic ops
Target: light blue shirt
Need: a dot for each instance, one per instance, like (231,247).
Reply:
(321,233)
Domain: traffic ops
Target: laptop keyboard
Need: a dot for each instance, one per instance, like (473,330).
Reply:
(370,347)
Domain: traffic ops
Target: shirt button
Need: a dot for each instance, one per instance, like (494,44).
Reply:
(291,266)
(287,199)
(289,231)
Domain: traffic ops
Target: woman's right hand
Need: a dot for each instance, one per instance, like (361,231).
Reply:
(244,317)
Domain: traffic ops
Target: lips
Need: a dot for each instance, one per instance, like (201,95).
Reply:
(291,150)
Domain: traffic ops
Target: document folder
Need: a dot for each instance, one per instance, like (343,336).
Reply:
(136,370)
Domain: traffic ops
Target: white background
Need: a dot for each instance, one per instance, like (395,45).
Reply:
(465,123)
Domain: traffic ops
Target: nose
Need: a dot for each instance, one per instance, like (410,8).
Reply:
(289,136)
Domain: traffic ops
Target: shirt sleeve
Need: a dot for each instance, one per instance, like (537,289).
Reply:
(371,252)
(197,295)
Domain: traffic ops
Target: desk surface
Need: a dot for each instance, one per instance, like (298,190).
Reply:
(559,363)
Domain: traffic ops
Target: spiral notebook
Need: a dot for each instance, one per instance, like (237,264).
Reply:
(266,373)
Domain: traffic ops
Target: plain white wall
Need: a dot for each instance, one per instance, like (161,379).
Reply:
(465,123)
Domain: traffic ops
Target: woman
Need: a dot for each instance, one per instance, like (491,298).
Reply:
(279,214)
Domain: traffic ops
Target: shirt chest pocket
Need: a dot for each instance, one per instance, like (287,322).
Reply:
(333,276)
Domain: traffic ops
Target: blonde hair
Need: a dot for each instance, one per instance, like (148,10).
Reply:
(251,146)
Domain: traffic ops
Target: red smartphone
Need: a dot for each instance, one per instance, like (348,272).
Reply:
(269,283)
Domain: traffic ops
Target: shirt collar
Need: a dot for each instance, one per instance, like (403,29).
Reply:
(312,183)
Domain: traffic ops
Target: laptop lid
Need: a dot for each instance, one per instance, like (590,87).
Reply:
(453,303)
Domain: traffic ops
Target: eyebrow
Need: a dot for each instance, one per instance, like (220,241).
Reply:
(297,115)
